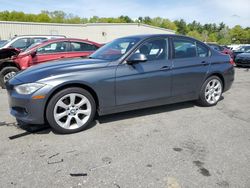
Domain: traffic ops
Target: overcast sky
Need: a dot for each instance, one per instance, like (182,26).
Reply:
(231,12)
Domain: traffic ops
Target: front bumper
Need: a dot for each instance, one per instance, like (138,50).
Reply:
(26,109)
(243,62)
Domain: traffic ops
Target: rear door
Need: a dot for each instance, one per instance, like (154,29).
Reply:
(191,61)
(81,49)
(145,81)
(50,52)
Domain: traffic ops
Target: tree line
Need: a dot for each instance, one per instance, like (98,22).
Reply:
(219,33)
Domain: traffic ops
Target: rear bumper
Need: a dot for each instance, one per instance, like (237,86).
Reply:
(228,79)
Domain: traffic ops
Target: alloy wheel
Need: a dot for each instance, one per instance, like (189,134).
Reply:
(72,111)
(213,91)
(8,76)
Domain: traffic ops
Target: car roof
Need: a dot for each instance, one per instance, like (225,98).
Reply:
(71,39)
(147,36)
(20,36)
(44,42)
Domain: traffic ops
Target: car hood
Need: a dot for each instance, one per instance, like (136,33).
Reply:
(244,55)
(8,52)
(55,69)
(237,51)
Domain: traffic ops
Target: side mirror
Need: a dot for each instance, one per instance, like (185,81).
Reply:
(137,58)
(33,53)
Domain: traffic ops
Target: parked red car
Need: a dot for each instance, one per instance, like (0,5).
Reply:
(48,50)
(221,49)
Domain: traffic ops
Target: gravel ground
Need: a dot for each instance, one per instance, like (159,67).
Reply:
(173,146)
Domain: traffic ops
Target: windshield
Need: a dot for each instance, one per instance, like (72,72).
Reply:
(244,48)
(115,49)
(4,43)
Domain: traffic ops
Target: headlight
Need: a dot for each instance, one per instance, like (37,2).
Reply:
(26,89)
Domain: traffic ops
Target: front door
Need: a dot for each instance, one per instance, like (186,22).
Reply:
(148,80)
(50,52)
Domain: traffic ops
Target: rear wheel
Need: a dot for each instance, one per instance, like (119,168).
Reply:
(71,110)
(6,74)
(211,91)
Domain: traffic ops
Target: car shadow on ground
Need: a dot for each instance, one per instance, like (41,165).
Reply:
(28,129)
(45,129)
(144,112)
(245,68)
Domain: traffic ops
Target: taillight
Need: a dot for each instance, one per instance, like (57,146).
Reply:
(232,61)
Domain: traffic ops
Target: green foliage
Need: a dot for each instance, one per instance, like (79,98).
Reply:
(211,32)
(240,35)
(181,26)
(195,34)
(213,37)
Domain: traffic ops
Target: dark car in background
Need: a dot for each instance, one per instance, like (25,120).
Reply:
(42,52)
(243,59)
(222,49)
(129,73)
(242,49)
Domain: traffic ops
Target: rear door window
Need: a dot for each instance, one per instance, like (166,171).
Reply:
(184,48)
(81,47)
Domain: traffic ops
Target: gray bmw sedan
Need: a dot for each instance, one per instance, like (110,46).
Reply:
(128,73)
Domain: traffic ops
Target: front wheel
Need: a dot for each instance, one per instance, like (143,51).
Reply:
(6,74)
(71,110)
(211,91)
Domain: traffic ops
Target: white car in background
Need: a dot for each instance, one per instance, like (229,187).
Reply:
(22,42)
(236,46)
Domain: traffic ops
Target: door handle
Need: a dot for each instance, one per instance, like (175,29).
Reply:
(62,57)
(164,68)
(205,63)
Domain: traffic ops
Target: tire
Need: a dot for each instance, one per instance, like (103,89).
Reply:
(70,110)
(210,94)
(7,73)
